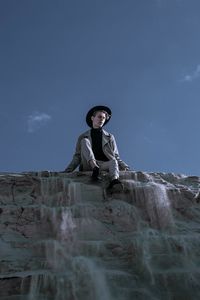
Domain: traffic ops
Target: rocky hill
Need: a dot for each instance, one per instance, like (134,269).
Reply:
(63,237)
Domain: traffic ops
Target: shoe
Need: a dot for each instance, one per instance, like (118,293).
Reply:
(116,184)
(95,174)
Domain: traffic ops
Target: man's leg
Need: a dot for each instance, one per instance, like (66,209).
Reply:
(87,154)
(88,159)
(113,168)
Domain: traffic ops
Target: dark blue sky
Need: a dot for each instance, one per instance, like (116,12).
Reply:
(140,57)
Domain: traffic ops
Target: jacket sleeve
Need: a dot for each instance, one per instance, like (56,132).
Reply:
(121,163)
(76,160)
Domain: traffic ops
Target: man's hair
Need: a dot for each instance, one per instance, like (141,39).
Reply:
(103,111)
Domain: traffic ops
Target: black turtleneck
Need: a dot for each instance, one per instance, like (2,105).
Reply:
(96,135)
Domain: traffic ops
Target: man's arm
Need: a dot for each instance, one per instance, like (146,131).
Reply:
(122,165)
(76,160)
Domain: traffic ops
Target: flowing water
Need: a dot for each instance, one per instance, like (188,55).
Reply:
(142,244)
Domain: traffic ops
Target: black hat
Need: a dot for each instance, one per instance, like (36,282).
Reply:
(97,108)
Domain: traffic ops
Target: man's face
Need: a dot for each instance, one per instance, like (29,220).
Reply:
(98,120)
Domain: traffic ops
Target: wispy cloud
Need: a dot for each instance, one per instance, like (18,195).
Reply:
(194,75)
(37,120)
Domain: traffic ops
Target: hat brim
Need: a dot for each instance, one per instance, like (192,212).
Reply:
(97,108)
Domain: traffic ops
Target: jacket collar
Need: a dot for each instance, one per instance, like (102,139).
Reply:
(105,137)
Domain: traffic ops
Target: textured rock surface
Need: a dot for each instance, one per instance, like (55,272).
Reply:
(64,238)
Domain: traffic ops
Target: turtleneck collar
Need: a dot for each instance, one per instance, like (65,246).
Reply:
(97,129)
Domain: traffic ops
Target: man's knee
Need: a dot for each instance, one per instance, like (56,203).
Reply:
(86,151)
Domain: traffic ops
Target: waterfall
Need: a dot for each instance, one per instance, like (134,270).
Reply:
(79,264)
(69,275)
(81,243)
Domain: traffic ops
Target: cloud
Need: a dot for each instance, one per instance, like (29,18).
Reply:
(194,75)
(37,120)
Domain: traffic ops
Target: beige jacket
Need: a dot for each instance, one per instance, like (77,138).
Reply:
(109,148)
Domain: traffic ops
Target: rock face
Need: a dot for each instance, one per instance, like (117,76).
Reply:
(65,238)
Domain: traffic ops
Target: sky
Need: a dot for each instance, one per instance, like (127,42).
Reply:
(59,58)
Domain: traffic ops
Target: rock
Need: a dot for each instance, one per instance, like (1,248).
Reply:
(63,237)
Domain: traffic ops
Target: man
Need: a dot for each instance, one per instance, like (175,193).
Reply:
(96,149)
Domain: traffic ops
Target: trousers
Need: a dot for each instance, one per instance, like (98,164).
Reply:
(87,154)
